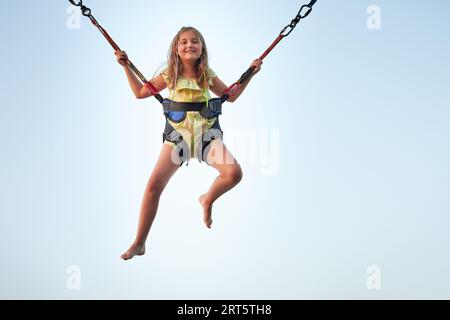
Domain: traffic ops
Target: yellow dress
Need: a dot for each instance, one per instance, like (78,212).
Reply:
(194,125)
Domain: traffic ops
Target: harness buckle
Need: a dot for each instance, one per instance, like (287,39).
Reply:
(215,105)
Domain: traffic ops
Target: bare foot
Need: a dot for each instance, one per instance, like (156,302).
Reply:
(207,210)
(135,250)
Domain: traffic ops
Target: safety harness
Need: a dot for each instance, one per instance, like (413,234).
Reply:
(176,111)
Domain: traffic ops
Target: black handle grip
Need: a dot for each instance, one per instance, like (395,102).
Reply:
(247,74)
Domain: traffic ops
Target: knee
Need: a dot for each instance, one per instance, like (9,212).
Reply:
(235,174)
(154,188)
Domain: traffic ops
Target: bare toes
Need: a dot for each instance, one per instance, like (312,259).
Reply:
(126,256)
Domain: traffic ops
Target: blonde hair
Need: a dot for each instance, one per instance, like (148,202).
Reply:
(175,67)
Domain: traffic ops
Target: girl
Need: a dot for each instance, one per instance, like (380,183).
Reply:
(188,78)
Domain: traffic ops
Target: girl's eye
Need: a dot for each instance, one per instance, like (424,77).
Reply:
(184,42)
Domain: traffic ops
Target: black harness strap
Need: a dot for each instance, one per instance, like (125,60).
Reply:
(214,105)
(173,106)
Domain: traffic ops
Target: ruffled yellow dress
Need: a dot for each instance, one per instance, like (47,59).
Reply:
(194,125)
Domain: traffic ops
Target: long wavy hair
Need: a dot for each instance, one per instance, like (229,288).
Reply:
(175,67)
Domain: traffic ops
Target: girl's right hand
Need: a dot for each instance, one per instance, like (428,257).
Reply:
(121,57)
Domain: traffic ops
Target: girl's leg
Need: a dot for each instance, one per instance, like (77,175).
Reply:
(230,173)
(163,171)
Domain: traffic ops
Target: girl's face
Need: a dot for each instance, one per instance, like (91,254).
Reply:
(189,47)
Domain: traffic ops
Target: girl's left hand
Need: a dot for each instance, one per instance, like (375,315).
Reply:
(257,65)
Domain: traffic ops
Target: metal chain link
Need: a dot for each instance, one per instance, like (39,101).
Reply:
(304,11)
(84,10)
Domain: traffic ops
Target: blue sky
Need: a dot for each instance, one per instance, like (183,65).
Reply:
(343,138)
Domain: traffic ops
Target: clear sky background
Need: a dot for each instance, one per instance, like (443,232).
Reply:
(343,137)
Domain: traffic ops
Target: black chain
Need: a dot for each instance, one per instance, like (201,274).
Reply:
(84,10)
(304,11)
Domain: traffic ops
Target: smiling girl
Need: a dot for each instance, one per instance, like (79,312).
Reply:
(188,134)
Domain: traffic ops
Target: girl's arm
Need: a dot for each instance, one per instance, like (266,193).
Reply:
(219,87)
(139,90)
